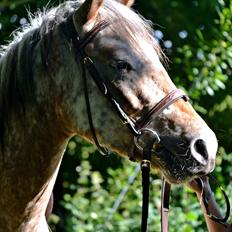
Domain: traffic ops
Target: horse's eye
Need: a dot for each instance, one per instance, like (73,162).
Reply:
(121,65)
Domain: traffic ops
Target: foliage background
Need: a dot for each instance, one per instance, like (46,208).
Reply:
(197,37)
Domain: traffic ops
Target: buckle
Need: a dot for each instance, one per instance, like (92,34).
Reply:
(145,136)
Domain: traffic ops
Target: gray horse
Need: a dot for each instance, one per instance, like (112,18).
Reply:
(42,105)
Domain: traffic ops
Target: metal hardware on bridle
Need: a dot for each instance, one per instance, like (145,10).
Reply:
(152,138)
(145,168)
(206,199)
(139,142)
(138,128)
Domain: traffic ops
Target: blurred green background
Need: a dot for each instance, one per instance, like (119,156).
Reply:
(196,35)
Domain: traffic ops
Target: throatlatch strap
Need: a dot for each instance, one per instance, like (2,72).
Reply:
(165,196)
(145,168)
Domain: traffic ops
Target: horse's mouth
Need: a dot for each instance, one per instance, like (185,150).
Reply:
(177,168)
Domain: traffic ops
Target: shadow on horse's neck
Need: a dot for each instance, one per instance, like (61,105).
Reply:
(33,149)
(28,172)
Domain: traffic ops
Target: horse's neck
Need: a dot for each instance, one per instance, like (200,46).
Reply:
(32,151)
(37,221)
(34,144)
(28,169)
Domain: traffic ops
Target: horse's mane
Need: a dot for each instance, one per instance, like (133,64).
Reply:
(16,58)
(16,62)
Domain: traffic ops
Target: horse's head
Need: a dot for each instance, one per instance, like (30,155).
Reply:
(129,60)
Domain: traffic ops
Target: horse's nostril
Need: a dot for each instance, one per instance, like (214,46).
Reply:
(203,151)
(201,148)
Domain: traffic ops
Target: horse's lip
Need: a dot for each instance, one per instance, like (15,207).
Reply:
(163,156)
(199,171)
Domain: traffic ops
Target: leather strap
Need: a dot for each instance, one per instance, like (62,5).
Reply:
(205,201)
(165,197)
(168,100)
(145,169)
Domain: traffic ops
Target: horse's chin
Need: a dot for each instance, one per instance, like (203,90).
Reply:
(172,179)
(172,167)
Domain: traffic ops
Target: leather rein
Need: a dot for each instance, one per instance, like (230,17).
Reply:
(137,128)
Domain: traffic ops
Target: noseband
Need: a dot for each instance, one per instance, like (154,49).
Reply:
(138,128)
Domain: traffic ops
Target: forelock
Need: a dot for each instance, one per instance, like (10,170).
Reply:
(126,22)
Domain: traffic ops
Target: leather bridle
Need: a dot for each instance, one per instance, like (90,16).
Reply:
(137,128)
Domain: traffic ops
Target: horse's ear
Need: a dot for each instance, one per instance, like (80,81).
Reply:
(88,12)
(128,3)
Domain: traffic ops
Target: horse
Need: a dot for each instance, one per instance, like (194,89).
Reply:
(43,103)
